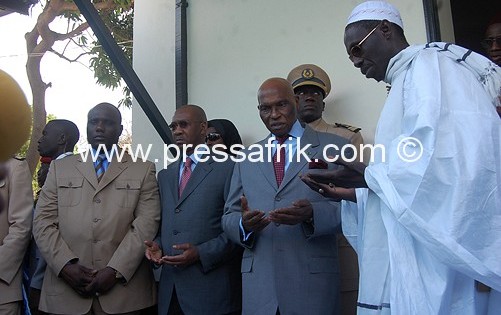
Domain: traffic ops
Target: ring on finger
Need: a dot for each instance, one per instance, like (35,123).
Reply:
(320,191)
(331,185)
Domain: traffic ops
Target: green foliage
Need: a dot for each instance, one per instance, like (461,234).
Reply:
(120,23)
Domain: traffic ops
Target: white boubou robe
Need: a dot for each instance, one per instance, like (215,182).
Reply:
(426,230)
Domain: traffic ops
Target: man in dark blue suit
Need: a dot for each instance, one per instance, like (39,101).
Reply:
(201,267)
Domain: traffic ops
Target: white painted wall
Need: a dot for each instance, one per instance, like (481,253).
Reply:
(154,63)
(234,45)
(445,21)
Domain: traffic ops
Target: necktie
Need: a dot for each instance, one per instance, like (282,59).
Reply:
(185,176)
(99,167)
(279,163)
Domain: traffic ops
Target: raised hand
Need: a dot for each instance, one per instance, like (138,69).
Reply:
(351,175)
(188,257)
(300,211)
(153,252)
(329,190)
(252,220)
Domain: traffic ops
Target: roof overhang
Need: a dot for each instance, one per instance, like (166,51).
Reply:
(19,6)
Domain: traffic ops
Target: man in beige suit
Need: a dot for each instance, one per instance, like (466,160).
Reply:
(312,85)
(15,232)
(91,219)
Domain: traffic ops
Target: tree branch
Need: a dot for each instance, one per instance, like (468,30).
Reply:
(105,5)
(62,56)
(77,31)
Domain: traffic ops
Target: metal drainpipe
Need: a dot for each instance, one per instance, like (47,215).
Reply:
(181,54)
(431,20)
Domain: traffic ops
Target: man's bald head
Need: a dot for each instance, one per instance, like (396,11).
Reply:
(195,111)
(277,105)
(274,84)
(189,126)
(59,136)
(111,109)
(104,125)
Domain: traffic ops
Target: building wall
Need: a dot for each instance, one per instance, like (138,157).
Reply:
(234,45)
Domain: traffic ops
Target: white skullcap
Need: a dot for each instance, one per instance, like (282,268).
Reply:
(375,10)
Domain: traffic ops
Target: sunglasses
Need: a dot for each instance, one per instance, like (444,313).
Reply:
(489,42)
(212,136)
(356,50)
(183,124)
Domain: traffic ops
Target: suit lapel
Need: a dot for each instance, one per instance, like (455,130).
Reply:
(173,181)
(115,168)
(295,166)
(201,171)
(86,168)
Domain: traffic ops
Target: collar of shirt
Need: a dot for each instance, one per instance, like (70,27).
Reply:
(63,155)
(195,158)
(104,156)
(291,143)
(296,132)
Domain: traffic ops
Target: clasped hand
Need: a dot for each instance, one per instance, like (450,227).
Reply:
(89,282)
(188,256)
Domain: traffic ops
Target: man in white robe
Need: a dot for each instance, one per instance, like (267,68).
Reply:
(427,227)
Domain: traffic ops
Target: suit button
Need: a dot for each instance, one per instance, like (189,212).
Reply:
(177,210)
(97,200)
(70,184)
(95,220)
(277,224)
(175,232)
(278,198)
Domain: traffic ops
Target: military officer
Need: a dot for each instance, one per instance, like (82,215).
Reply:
(312,85)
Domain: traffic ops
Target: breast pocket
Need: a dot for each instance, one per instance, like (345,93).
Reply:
(323,265)
(128,192)
(70,191)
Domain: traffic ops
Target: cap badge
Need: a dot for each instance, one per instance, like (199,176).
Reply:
(308,73)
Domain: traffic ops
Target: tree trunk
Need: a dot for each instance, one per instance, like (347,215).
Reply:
(38,88)
(39,41)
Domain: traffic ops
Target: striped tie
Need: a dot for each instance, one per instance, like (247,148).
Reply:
(99,167)
(185,176)
(279,160)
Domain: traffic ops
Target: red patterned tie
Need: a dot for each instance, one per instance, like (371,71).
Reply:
(279,165)
(185,176)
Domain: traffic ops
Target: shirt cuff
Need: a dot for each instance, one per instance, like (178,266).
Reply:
(245,236)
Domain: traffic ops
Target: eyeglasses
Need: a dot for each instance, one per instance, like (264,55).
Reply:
(489,42)
(212,136)
(183,124)
(311,92)
(356,50)
(267,109)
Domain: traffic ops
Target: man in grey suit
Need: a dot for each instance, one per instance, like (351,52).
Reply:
(291,265)
(200,273)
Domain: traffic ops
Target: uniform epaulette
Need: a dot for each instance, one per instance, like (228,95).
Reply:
(350,128)
(19,158)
